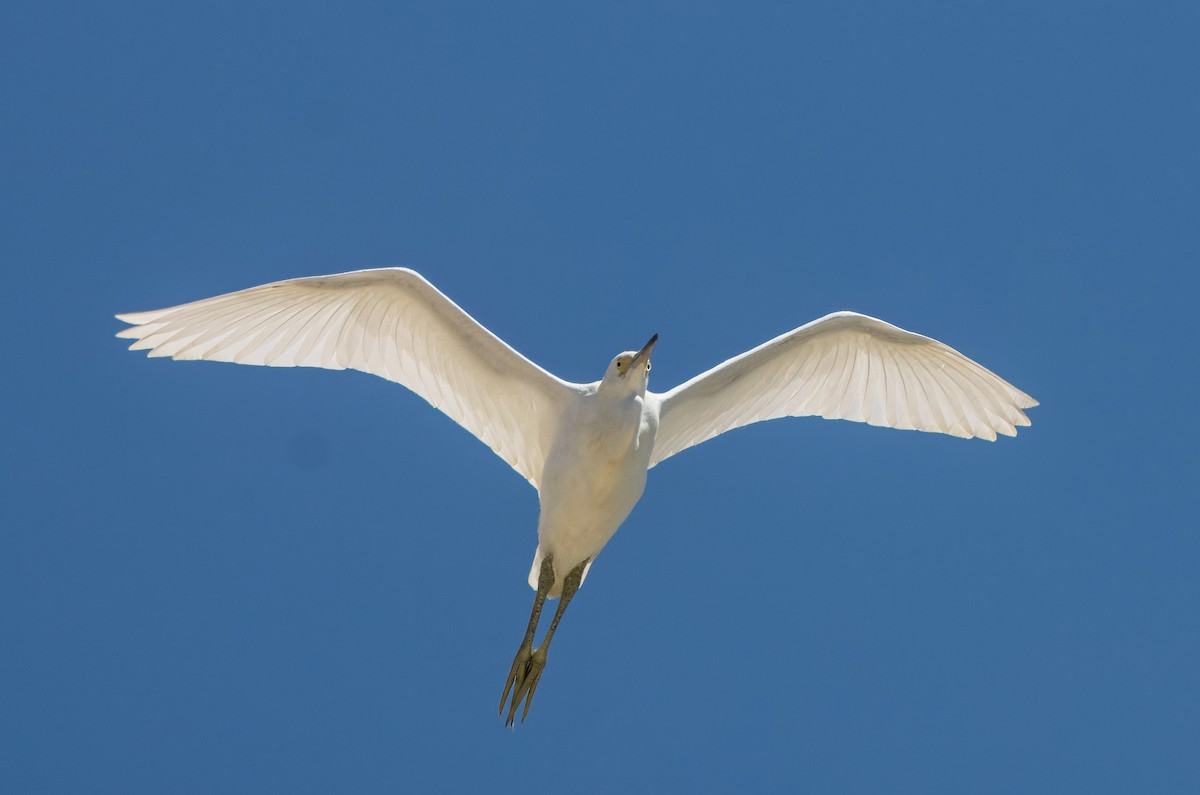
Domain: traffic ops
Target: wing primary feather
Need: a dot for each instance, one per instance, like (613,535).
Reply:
(983,396)
(943,405)
(293,335)
(220,325)
(261,333)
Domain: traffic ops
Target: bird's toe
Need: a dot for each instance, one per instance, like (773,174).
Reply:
(516,677)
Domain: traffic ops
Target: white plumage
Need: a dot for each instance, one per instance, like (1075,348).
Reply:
(585,447)
(389,322)
(844,366)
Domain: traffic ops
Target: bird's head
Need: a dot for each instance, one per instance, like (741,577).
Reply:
(631,368)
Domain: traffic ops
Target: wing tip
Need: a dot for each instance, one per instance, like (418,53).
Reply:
(139,318)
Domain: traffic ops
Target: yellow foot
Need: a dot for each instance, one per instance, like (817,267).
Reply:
(517,674)
(523,679)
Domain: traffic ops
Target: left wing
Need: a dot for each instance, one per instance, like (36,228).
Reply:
(390,322)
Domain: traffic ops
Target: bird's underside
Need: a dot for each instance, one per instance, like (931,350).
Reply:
(393,323)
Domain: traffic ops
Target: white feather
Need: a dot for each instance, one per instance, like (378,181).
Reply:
(390,322)
(843,366)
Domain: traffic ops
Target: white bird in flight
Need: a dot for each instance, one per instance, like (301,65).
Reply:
(586,448)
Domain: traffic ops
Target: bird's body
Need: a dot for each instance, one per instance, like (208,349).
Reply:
(595,473)
(586,448)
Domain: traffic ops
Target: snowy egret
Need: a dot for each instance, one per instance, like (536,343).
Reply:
(586,448)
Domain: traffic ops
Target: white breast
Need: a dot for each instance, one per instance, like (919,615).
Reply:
(594,475)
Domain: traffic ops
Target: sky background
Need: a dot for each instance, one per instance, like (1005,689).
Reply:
(232,579)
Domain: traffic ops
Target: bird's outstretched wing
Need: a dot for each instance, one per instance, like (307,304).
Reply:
(843,366)
(390,322)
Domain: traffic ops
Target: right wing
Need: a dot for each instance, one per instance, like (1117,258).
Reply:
(843,366)
(390,322)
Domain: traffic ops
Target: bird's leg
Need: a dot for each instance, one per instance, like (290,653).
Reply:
(537,662)
(520,664)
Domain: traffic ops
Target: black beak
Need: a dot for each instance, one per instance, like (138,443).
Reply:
(643,354)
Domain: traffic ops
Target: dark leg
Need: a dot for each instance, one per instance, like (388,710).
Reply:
(537,662)
(521,662)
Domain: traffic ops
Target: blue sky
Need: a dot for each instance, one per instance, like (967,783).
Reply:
(236,579)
